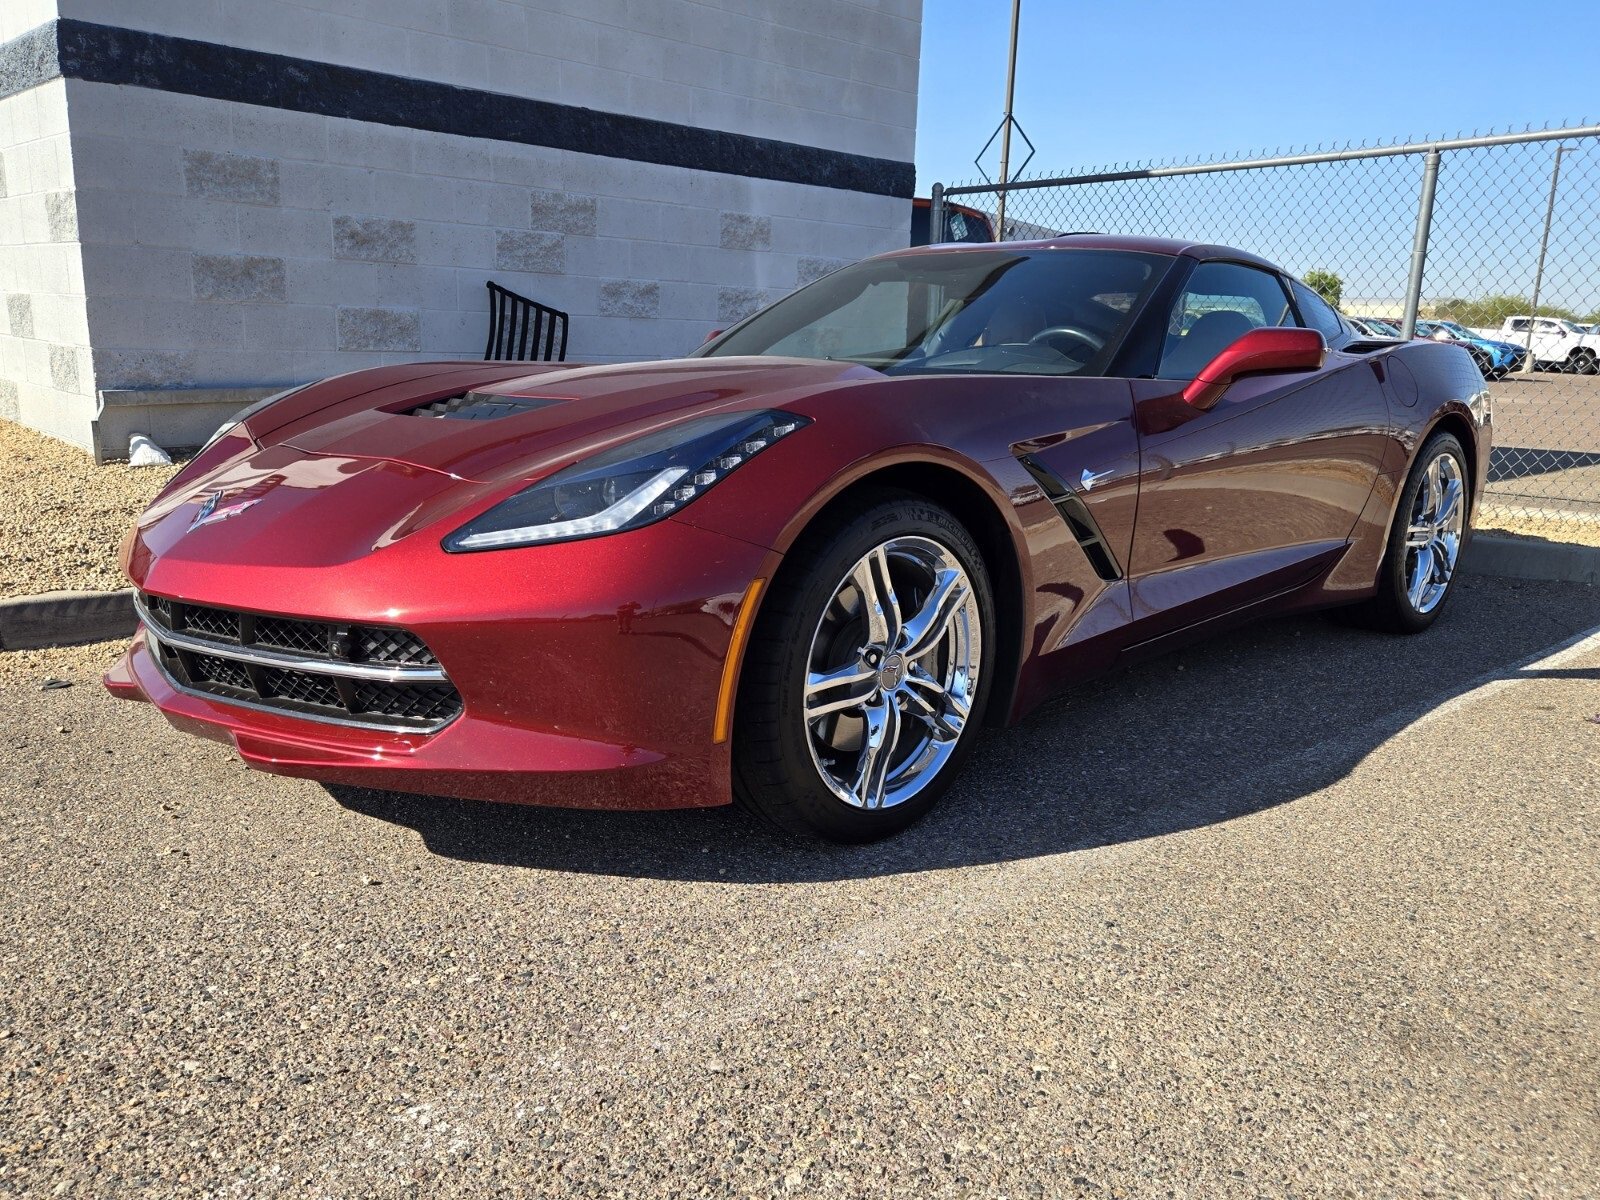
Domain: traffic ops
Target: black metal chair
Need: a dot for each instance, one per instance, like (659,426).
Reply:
(523,330)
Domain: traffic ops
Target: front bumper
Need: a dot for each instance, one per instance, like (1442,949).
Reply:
(597,689)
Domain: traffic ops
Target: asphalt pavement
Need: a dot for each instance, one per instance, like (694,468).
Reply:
(1305,911)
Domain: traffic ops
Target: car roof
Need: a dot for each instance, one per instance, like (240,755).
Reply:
(1173,247)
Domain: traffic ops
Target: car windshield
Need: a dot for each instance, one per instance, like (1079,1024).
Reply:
(1041,312)
(1457,329)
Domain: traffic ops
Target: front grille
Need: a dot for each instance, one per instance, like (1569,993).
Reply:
(298,637)
(211,623)
(363,674)
(224,672)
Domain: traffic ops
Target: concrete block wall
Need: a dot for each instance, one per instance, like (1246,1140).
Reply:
(835,73)
(216,247)
(46,373)
(230,245)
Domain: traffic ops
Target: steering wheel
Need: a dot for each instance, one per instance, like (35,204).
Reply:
(1094,341)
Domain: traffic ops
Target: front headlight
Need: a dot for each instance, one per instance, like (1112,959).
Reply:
(630,485)
(239,418)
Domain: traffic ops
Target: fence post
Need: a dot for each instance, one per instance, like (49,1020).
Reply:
(1419,244)
(936,215)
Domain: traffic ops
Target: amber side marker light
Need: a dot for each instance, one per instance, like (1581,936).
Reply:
(723,722)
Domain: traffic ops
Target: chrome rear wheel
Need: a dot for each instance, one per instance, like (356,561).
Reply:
(1433,538)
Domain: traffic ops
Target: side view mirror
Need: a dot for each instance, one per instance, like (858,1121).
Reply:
(1256,353)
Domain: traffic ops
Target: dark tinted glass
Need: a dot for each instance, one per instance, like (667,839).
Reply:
(1220,303)
(1316,311)
(1047,312)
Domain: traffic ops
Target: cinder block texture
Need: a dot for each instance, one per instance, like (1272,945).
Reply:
(379,329)
(746,231)
(541,252)
(629,298)
(810,268)
(61,216)
(736,303)
(375,239)
(19,314)
(9,408)
(558,212)
(64,368)
(231,278)
(215,175)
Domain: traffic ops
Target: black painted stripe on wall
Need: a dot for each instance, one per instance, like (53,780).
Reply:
(104,54)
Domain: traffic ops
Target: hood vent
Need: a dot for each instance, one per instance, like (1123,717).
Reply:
(478,406)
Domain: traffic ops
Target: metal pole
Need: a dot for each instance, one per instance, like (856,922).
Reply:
(1544,242)
(936,215)
(1419,244)
(1005,124)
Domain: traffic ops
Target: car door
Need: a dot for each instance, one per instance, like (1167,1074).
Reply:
(1261,492)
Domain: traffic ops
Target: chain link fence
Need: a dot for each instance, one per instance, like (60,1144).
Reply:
(1456,239)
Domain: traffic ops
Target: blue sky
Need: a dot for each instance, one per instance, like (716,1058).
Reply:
(1101,82)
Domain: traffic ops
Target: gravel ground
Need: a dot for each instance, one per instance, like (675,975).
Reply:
(63,517)
(1234,923)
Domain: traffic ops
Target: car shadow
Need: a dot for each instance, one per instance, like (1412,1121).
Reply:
(1256,718)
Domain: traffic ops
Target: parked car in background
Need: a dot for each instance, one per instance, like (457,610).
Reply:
(1556,343)
(804,565)
(961,223)
(1373,327)
(1494,358)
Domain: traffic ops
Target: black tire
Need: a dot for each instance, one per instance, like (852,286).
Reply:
(1391,610)
(774,772)
(1583,362)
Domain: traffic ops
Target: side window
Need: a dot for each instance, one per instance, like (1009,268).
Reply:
(1221,302)
(1315,311)
(1519,324)
(1548,327)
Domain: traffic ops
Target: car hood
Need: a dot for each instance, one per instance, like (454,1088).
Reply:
(551,417)
(348,466)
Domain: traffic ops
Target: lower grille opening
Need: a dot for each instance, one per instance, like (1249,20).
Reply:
(365,675)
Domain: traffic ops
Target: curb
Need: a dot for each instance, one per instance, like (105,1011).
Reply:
(1525,558)
(65,618)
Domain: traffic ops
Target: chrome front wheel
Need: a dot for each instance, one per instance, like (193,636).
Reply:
(868,672)
(892,672)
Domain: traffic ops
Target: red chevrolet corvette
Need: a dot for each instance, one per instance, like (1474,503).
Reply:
(801,566)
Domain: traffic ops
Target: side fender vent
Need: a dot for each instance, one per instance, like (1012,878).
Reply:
(1077,516)
(477,406)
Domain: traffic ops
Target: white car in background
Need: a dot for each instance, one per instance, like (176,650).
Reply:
(1556,343)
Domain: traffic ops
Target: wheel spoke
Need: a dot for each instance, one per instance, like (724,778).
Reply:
(932,706)
(877,752)
(1444,559)
(1447,507)
(881,606)
(827,692)
(1418,536)
(1435,493)
(1421,576)
(927,626)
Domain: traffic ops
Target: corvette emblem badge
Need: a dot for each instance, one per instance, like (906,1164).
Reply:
(214,510)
